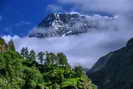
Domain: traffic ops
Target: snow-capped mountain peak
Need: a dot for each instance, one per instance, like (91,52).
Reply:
(73,23)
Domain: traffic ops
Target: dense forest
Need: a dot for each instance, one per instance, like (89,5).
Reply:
(43,70)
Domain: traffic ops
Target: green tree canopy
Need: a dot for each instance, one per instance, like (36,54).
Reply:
(11,45)
(21,71)
(41,57)
(25,52)
(62,59)
(32,55)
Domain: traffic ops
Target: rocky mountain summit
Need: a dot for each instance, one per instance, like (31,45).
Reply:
(64,24)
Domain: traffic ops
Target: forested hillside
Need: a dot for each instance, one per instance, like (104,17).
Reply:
(43,70)
(114,70)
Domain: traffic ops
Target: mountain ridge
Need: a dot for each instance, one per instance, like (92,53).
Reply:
(65,24)
(114,70)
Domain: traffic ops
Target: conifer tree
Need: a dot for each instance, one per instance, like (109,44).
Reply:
(41,57)
(79,71)
(62,59)
(25,53)
(11,45)
(32,55)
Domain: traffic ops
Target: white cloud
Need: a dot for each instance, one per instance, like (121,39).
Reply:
(54,8)
(117,6)
(83,49)
(8,38)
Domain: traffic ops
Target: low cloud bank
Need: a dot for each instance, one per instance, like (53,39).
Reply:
(84,49)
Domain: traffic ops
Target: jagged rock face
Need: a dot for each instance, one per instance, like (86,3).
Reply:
(59,19)
(64,24)
(114,71)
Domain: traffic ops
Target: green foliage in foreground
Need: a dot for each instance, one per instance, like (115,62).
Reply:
(19,72)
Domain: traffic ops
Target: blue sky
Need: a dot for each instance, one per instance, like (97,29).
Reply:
(20,16)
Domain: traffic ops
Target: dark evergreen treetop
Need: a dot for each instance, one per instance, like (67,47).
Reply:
(11,45)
